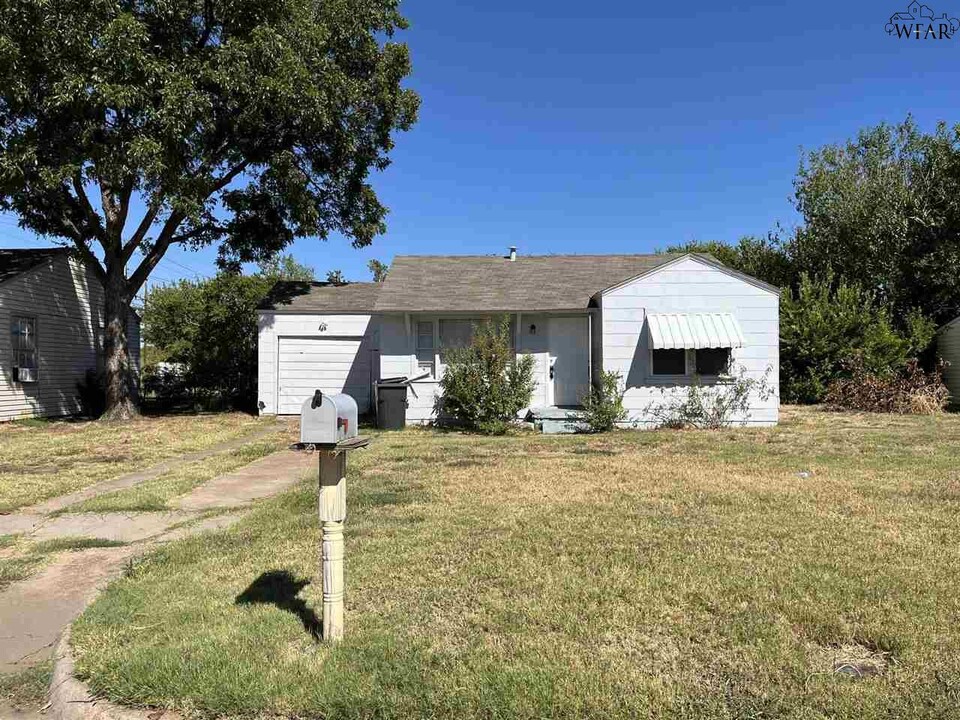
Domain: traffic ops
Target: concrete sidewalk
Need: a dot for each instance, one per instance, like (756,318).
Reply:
(34,612)
(259,479)
(135,478)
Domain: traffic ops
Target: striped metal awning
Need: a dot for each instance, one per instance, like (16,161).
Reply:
(694,330)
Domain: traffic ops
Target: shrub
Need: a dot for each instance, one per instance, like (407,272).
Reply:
(603,405)
(485,384)
(824,329)
(710,407)
(912,391)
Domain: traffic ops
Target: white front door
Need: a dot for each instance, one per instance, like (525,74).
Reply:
(569,342)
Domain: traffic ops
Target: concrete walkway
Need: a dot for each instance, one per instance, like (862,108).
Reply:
(135,478)
(259,479)
(35,611)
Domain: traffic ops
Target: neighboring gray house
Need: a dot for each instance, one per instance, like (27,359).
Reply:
(656,319)
(948,349)
(51,313)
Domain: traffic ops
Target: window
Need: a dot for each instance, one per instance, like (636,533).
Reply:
(454,334)
(24,343)
(713,361)
(669,362)
(425,349)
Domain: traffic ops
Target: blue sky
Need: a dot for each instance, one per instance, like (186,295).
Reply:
(622,126)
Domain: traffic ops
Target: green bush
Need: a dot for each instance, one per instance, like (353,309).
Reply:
(485,384)
(825,329)
(603,405)
(710,407)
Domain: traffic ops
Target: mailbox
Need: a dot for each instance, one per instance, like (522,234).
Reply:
(328,419)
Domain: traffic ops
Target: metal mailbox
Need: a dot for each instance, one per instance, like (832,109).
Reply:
(328,419)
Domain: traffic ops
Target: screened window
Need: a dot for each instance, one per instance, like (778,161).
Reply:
(425,348)
(24,331)
(669,362)
(454,334)
(713,361)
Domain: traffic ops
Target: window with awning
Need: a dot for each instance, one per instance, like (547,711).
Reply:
(683,344)
(692,331)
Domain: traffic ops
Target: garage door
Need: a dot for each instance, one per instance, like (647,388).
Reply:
(331,364)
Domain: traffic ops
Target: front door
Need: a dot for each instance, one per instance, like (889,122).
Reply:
(569,359)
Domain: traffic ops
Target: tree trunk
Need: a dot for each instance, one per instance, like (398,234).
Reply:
(119,378)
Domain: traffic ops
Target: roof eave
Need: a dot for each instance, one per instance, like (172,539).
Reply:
(706,260)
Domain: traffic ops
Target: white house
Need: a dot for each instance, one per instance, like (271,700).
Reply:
(658,320)
(51,307)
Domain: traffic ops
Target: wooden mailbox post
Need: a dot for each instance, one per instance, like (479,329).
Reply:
(328,423)
(333,513)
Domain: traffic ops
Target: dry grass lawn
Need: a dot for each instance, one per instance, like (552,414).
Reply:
(43,459)
(804,571)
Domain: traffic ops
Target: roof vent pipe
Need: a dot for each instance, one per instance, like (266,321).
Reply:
(513,253)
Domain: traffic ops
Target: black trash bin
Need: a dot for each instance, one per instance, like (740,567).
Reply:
(392,405)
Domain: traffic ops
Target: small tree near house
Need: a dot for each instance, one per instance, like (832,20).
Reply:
(603,405)
(711,406)
(485,384)
(378,270)
(130,128)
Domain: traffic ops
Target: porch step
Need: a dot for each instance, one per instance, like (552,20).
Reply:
(554,420)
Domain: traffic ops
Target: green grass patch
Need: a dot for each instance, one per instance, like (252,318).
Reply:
(50,458)
(18,567)
(804,571)
(63,544)
(27,689)
(155,494)
(24,557)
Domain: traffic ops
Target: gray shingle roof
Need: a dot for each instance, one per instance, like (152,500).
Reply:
(14,262)
(307,297)
(470,283)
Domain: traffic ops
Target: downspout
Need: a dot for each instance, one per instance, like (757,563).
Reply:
(411,350)
(590,347)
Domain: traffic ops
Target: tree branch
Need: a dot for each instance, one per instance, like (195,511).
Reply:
(156,253)
(167,236)
(142,229)
(229,176)
(110,209)
(89,259)
(125,193)
(92,218)
(207,25)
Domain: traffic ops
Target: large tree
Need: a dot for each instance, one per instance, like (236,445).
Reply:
(131,126)
(882,211)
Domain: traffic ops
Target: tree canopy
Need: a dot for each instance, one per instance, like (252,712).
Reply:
(129,126)
(883,211)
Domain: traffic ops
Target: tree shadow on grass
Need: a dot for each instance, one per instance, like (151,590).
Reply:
(280,588)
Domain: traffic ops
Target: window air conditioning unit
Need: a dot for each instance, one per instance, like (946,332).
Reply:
(26,375)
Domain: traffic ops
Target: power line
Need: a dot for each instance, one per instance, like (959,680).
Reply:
(184,267)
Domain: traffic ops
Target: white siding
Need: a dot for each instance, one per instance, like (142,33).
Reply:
(689,286)
(350,328)
(67,301)
(948,349)
(398,358)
